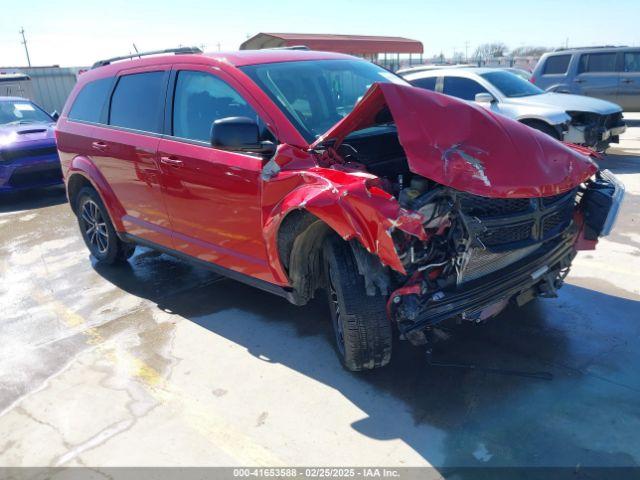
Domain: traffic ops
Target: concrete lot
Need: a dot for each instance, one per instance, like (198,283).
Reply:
(159,363)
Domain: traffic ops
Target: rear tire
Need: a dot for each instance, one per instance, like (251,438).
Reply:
(97,231)
(363,333)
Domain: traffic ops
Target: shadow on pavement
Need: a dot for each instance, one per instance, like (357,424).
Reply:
(30,199)
(451,417)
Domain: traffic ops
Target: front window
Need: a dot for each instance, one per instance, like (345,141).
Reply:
(461,87)
(315,95)
(511,85)
(17,112)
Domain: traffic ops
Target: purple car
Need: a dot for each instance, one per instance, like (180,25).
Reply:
(28,154)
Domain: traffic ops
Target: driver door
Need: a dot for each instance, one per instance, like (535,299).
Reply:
(212,195)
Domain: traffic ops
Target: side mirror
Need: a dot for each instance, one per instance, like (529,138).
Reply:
(55,115)
(484,98)
(239,134)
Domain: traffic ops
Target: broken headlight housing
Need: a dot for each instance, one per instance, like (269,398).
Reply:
(601,204)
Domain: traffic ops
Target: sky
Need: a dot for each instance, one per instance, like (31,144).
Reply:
(76,33)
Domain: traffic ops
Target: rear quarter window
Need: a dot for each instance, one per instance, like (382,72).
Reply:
(428,83)
(90,101)
(557,65)
(138,102)
(597,62)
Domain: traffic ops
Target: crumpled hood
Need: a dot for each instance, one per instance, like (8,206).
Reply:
(15,135)
(465,146)
(567,102)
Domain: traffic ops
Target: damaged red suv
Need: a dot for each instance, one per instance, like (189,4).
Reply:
(298,171)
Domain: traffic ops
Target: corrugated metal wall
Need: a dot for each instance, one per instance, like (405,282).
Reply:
(50,86)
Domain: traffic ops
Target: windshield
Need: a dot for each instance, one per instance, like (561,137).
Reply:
(511,85)
(315,95)
(16,112)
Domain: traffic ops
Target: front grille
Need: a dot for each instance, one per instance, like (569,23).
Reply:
(507,234)
(492,207)
(546,201)
(557,221)
(509,224)
(10,155)
(26,177)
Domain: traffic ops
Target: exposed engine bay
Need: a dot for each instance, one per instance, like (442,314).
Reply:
(481,253)
(594,130)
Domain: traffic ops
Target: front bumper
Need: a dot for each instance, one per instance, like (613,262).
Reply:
(30,173)
(521,278)
(595,130)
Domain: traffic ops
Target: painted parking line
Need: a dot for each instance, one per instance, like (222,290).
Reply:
(199,416)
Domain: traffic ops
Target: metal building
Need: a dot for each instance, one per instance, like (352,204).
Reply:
(49,86)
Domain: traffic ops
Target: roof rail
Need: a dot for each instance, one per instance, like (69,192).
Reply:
(593,47)
(292,47)
(177,51)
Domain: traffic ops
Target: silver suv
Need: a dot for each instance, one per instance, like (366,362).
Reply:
(609,73)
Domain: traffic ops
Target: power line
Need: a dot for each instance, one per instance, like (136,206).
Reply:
(24,42)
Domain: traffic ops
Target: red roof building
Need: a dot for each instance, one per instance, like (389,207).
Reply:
(367,46)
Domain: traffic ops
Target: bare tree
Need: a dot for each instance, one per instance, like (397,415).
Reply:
(529,51)
(490,50)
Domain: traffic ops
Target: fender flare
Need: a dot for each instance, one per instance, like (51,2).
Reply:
(84,167)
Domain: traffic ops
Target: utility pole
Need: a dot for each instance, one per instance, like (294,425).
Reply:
(24,42)
(466,51)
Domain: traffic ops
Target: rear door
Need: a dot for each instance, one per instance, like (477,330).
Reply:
(629,92)
(125,150)
(598,75)
(212,196)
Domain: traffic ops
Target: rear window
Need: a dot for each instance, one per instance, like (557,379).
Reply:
(557,65)
(428,83)
(90,101)
(632,62)
(463,88)
(597,62)
(138,101)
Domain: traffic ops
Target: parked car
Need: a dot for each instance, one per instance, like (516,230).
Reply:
(28,155)
(573,118)
(609,73)
(520,72)
(299,171)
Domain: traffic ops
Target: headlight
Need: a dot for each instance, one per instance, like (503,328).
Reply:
(618,195)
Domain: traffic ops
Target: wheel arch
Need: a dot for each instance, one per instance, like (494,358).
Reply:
(533,121)
(84,173)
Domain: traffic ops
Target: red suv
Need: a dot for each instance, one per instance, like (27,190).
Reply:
(295,171)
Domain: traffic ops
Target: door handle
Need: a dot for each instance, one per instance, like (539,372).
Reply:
(98,145)
(578,80)
(627,80)
(171,161)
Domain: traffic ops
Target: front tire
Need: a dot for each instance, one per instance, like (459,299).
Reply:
(97,231)
(363,334)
